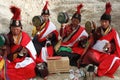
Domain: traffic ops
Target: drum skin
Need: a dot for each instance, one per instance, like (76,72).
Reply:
(88,27)
(37,20)
(63,17)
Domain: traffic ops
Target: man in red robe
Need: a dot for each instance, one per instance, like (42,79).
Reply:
(105,53)
(22,52)
(46,37)
(74,38)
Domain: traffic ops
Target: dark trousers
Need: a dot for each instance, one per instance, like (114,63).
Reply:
(73,57)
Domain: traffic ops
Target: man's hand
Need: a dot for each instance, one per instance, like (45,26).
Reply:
(49,36)
(107,48)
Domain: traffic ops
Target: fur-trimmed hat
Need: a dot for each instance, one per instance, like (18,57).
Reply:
(106,15)
(77,14)
(45,10)
(16,19)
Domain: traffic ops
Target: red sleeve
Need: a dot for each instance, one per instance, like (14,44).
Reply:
(65,31)
(117,43)
(25,39)
(61,32)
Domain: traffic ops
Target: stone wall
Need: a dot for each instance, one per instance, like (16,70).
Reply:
(92,10)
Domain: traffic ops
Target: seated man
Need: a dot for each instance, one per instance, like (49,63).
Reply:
(74,38)
(22,52)
(105,52)
(46,36)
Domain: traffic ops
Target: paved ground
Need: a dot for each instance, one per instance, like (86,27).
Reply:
(65,76)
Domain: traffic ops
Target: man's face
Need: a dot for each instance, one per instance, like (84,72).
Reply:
(15,30)
(105,23)
(75,22)
(46,17)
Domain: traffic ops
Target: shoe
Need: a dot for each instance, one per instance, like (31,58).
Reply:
(90,68)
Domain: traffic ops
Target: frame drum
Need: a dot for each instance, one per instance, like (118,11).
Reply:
(62,17)
(37,21)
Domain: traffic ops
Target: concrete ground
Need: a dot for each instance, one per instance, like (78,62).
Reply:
(65,76)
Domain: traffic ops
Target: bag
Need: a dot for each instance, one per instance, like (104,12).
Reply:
(67,49)
(41,69)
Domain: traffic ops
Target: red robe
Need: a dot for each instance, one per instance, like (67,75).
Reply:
(22,68)
(73,40)
(46,51)
(107,63)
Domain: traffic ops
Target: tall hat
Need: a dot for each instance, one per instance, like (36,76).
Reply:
(106,15)
(77,14)
(45,10)
(16,19)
